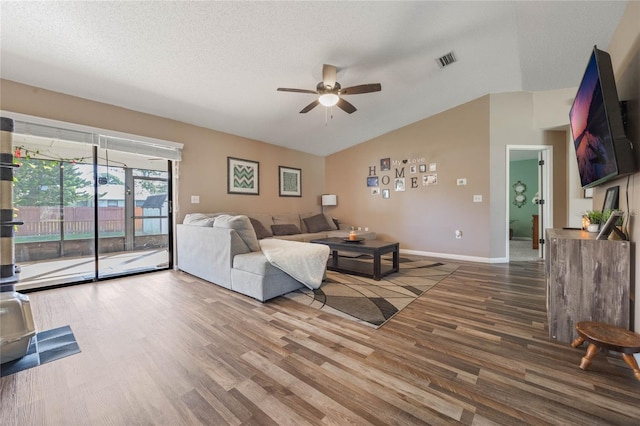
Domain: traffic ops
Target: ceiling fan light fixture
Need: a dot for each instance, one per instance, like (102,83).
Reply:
(329,99)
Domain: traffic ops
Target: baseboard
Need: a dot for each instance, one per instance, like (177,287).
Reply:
(456,256)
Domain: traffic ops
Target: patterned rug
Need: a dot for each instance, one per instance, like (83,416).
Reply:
(375,302)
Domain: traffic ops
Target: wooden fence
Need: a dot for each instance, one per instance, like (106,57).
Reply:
(42,221)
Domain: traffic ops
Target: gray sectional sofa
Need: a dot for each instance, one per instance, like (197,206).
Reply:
(226,252)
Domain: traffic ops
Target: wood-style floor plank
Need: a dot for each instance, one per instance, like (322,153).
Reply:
(169,348)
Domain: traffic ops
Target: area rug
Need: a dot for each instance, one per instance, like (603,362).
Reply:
(45,346)
(375,302)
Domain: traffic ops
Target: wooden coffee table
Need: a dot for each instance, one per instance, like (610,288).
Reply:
(375,248)
(610,337)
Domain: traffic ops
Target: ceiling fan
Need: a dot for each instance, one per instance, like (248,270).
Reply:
(331,92)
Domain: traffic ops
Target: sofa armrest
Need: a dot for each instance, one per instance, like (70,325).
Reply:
(208,252)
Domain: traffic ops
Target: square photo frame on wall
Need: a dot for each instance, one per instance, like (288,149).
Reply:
(290,181)
(372,181)
(243,176)
(385,164)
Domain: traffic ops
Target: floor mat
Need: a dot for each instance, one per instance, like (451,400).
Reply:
(45,346)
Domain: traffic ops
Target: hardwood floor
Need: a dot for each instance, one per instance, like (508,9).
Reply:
(168,348)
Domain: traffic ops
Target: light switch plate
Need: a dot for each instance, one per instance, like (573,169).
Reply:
(461,181)
(195,199)
(477,198)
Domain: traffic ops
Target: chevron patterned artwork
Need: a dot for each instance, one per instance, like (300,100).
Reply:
(242,176)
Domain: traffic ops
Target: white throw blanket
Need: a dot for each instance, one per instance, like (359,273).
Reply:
(305,262)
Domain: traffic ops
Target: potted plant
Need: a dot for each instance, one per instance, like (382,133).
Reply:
(595,218)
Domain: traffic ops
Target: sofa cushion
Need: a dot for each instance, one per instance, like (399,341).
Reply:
(285,229)
(199,219)
(317,223)
(287,218)
(261,231)
(242,225)
(256,263)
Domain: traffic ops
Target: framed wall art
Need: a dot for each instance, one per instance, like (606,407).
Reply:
(243,176)
(385,164)
(385,193)
(290,181)
(611,199)
(372,181)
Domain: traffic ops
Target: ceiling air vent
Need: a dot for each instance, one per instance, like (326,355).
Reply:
(445,60)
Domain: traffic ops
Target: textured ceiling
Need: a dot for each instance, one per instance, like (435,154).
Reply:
(218,64)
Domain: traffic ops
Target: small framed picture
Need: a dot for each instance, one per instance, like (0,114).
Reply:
(375,191)
(413,169)
(243,176)
(386,193)
(430,179)
(422,168)
(399,184)
(611,199)
(290,181)
(588,193)
(372,181)
(385,164)
(432,167)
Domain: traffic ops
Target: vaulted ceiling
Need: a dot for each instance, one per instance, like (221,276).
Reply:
(218,64)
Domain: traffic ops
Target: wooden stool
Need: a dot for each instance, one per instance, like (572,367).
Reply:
(610,337)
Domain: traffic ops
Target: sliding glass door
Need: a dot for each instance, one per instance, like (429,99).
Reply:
(89,211)
(52,193)
(133,214)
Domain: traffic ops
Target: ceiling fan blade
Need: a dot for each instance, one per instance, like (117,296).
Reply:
(346,106)
(363,88)
(283,89)
(329,75)
(309,107)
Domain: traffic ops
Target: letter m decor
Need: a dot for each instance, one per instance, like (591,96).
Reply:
(243,176)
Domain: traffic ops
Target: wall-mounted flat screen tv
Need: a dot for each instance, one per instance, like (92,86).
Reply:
(602,149)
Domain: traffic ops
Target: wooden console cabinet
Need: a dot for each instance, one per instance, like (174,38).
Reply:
(587,280)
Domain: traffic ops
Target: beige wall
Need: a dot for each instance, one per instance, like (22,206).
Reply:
(203,169)
(423,219)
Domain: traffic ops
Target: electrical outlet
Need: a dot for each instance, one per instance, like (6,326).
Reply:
(458,234)
(461,181)
(477,198)
(195,199)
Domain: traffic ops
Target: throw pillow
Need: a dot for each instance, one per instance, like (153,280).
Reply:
(261,231)
(285,229)
(332,222)
(199,219)
(242,225)
(317,223)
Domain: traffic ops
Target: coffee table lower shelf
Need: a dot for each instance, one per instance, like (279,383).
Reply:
(371,269)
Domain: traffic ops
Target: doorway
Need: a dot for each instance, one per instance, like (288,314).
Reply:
(529,200)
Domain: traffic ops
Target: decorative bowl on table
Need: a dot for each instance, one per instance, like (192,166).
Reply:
(353,240)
